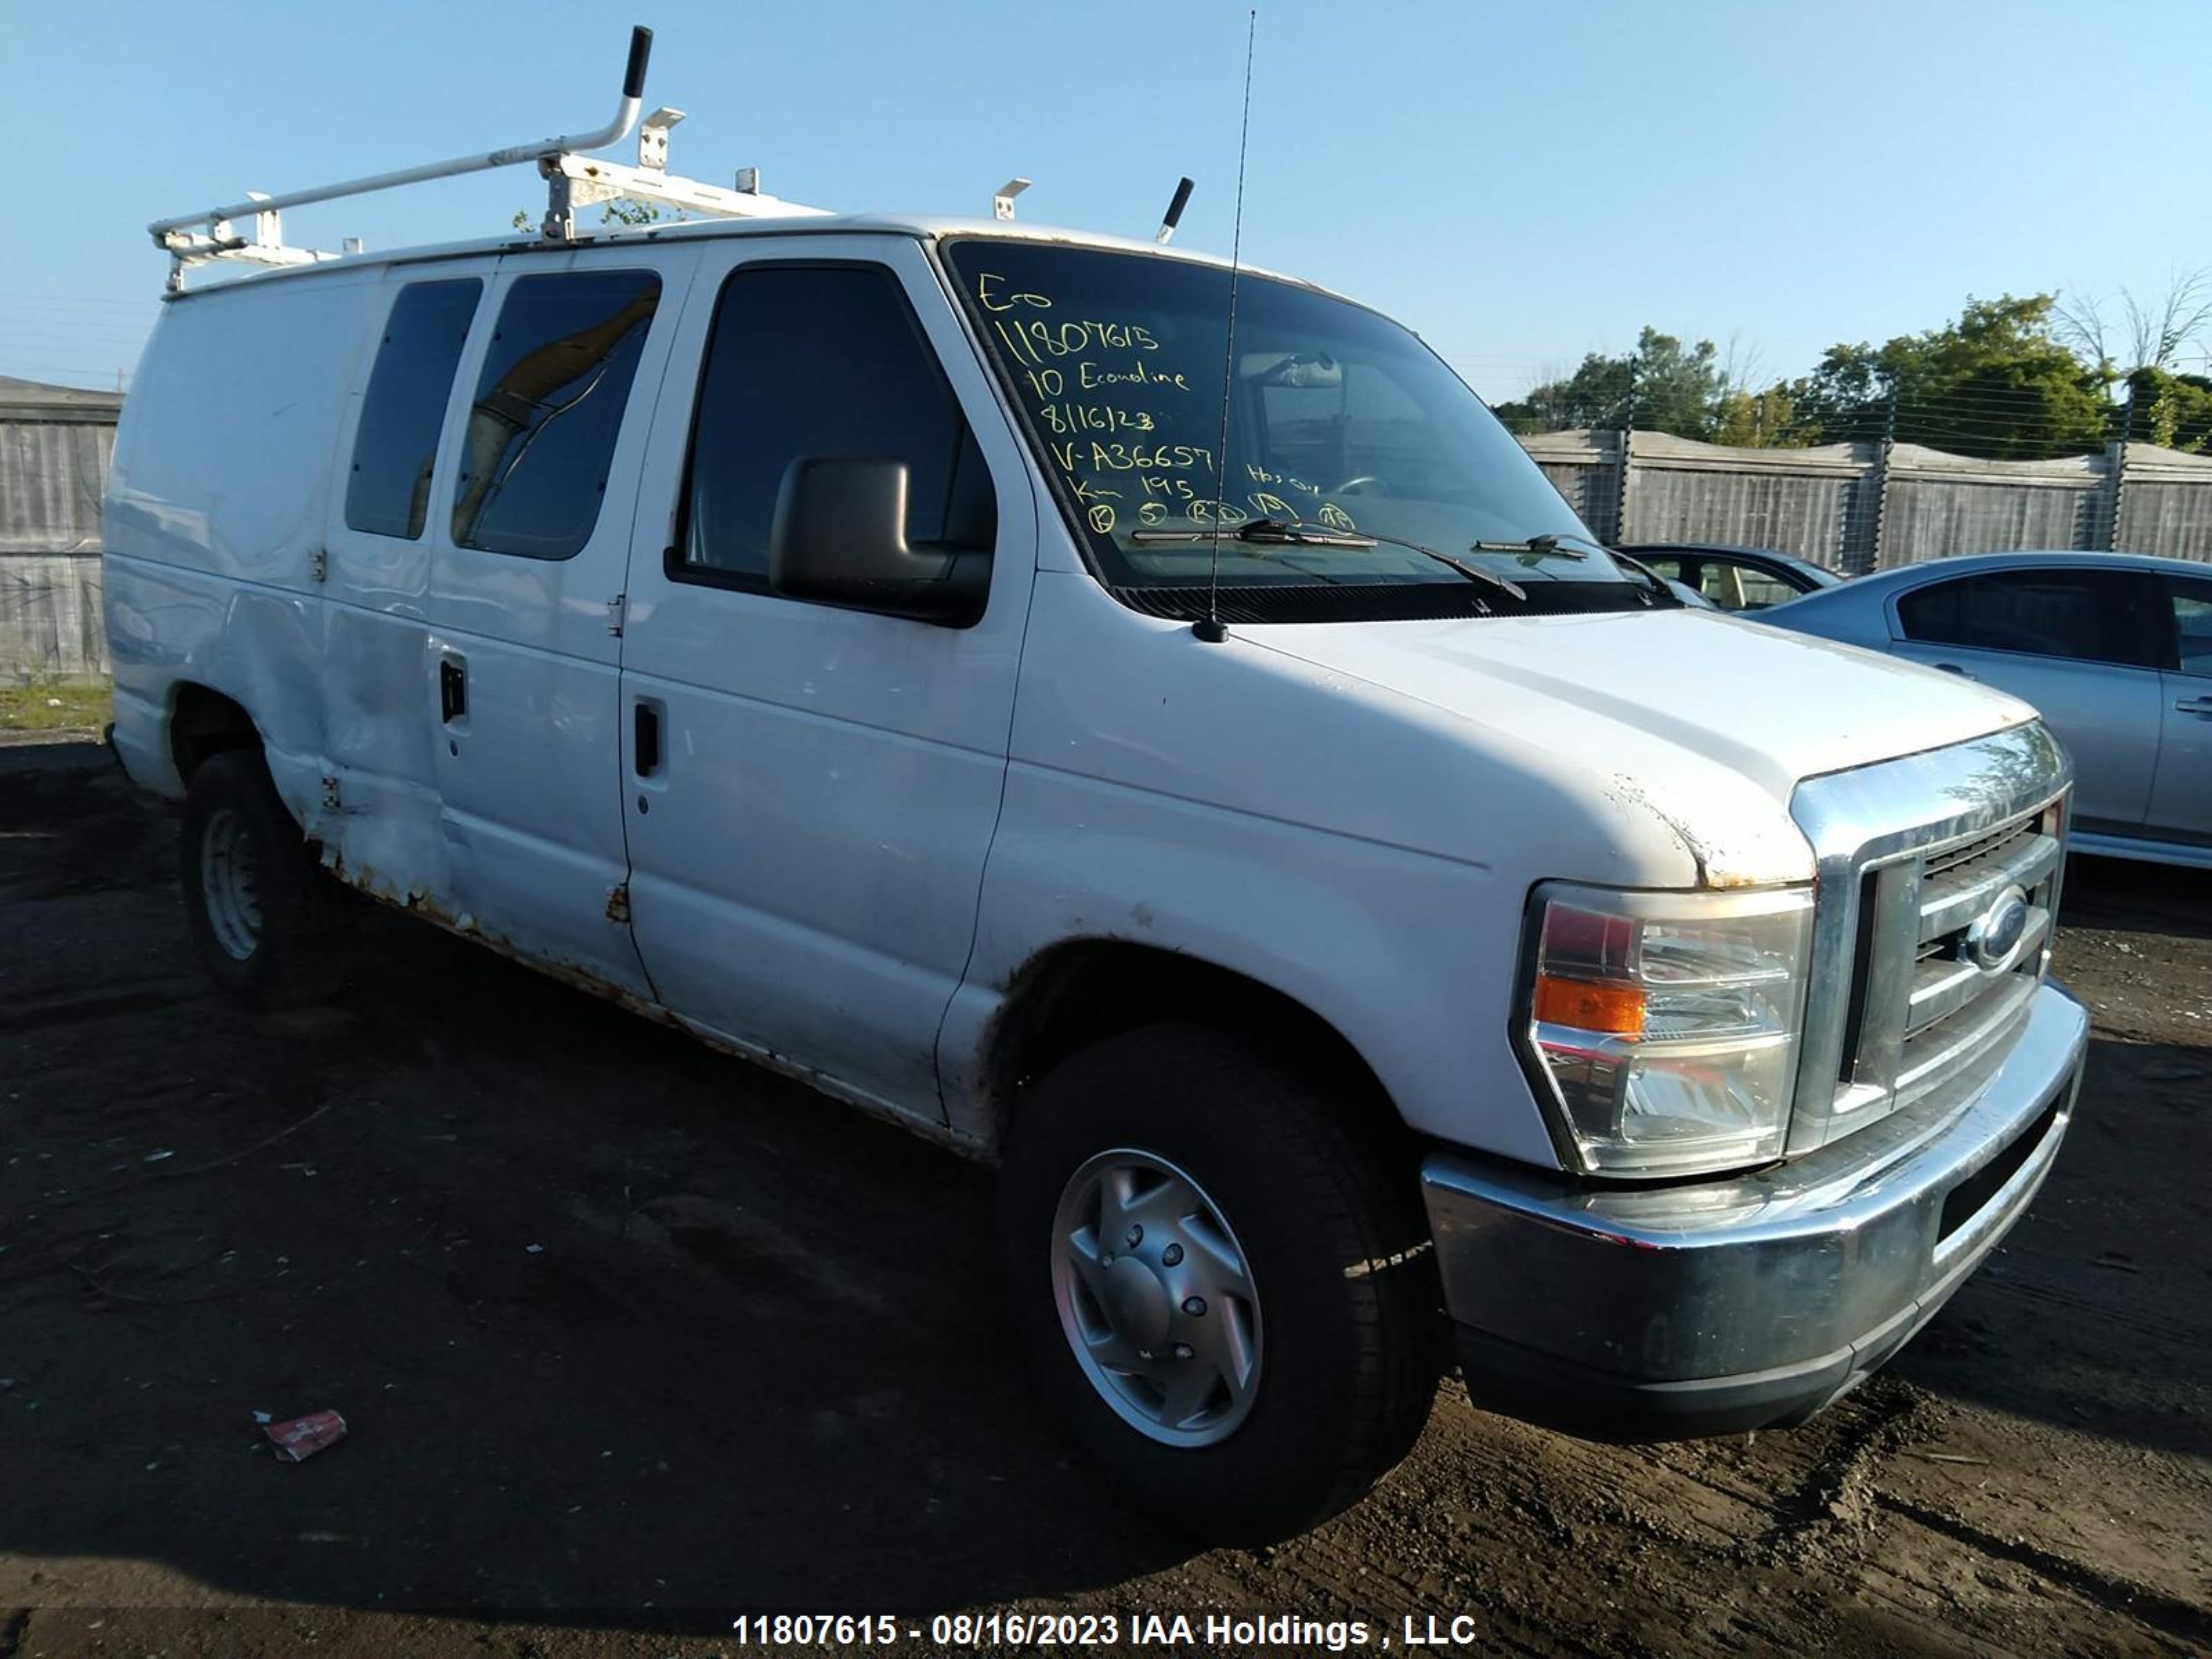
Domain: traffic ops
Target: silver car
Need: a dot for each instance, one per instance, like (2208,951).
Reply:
(2114,648)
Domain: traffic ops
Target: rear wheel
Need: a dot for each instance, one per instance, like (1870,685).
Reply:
(259,910)
(1217,1270)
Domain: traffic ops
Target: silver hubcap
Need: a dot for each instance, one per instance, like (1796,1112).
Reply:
(1156,1298)
(230,883)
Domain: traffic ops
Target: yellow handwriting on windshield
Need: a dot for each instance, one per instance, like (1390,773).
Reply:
(1094,386)
(986,293)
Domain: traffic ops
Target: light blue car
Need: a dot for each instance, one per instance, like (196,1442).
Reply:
(2114,648)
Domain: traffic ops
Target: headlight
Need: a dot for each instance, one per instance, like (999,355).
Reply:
(1666,1024)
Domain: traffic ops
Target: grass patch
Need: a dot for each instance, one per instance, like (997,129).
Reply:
(42,708)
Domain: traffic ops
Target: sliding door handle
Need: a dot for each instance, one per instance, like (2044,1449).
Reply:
(452,689)
(645,739)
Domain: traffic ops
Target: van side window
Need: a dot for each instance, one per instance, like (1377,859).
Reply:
(820,360)
(404,410)
(549,407)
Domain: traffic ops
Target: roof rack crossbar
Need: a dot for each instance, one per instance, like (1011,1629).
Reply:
(195,236)
(575,181)
(572,179)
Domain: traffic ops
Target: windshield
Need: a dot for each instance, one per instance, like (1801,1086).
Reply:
(1341,422)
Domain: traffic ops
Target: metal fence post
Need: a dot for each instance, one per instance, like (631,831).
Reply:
(2117,457)
(1881,480)
(1627,439)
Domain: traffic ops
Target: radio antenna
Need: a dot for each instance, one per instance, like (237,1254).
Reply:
(1210,629)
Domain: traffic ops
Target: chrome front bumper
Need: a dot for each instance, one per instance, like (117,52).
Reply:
(1750,1302)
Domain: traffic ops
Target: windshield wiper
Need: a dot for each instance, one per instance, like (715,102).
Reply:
(1546,546)
(1274,533)
(1650,579)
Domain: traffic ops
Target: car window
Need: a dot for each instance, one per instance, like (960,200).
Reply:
(1760,589)
(2094,616)
(1729,583)
(1935,614)
(1716,580)
(809,361)
(549,407)
(388,492)
(2192,623)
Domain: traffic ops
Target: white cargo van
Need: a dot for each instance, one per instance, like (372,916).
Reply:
(1224,783)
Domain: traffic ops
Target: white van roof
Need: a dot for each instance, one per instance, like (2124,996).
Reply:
(919,227)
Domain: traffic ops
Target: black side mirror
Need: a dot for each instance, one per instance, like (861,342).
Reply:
(839,536)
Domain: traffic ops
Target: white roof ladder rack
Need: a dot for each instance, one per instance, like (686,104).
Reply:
(574,180)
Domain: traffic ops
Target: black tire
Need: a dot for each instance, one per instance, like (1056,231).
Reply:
(289,955)
(1323,1202)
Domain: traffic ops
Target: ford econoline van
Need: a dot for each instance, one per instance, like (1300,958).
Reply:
(1206,769)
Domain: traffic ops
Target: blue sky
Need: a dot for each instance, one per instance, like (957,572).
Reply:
(1521,183)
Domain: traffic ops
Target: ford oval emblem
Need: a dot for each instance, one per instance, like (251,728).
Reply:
(1994,935)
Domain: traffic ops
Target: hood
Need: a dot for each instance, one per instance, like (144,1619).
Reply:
(1688,716)
(1649,749)
(1776,708)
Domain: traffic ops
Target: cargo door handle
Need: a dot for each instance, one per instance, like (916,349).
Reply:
(452,690)
(645,749)
(2194,706)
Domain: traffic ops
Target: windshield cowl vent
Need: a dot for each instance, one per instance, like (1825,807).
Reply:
(1394,601)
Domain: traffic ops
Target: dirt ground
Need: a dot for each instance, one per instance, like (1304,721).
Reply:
(633,1338)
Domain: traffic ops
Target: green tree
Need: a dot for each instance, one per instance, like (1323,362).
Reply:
(1594,395)
(1996,382)
(1678,389)
(1693,390)
(1845,398)
(2153,333)
(1761,420)
(2173,410)
(1663,386)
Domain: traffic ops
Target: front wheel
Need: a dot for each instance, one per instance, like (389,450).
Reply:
(1216,1267)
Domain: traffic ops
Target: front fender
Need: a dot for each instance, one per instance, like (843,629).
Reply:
(1396,950)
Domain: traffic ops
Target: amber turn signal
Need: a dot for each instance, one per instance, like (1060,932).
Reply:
(1617,1009)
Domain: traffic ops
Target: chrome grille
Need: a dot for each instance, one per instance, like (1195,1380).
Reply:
(1918,995)
(1956,1006)
(1968,852)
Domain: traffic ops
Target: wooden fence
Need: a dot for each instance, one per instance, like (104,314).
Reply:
(55,444)
(1869,506)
